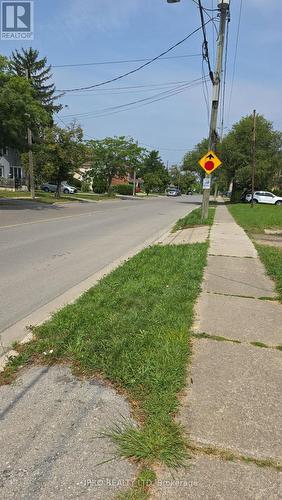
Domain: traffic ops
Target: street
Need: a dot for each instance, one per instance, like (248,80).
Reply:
(45,250)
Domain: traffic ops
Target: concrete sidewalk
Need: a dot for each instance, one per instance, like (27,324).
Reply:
(232,406)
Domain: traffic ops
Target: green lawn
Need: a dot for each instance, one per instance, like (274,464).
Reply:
(133,328)
(255,220)
(194,219)
(258,218)
(41,196)
(272,259)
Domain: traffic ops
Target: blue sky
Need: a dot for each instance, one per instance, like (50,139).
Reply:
(84,31)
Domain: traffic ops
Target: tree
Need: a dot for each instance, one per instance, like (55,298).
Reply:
(19,109)
(190,160)
(236,154)
(61,154)
(152,182)
(155,172)
(27,64)
(182,179)
(113,157)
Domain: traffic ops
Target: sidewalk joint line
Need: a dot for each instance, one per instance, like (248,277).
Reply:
(270,299)
(220,338)
(231,256)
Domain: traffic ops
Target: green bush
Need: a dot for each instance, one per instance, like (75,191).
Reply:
(85,186)
(125,189)
(236,196)
(75,182)
(278,192)
(99,186)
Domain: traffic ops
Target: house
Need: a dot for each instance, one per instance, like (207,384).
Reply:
(11,171)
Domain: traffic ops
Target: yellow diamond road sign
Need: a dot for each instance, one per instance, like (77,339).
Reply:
(210,162)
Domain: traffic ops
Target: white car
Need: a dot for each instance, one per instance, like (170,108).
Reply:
(51,187)
(264,197)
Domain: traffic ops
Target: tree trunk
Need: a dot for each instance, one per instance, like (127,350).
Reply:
(58,190)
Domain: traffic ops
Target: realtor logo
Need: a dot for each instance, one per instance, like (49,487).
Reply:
(17,20)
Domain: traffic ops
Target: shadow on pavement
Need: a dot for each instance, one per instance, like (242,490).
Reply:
(8,204)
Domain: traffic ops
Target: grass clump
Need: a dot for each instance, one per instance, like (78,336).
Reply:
(194,219)
(258,218)
(133,328)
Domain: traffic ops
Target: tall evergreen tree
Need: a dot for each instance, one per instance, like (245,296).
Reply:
(27,63)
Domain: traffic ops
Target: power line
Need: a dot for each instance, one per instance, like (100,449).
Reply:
(146,100)
(138,68)
(140,105)
(206,56)
(98,63)
(160,148)
(235,58)
(129,89)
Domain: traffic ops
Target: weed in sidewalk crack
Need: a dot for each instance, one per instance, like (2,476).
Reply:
(215,337)
(232,456)
(259,344)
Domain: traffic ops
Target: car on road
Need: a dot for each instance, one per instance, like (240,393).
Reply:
(51,187)
(264,197)
(173,192)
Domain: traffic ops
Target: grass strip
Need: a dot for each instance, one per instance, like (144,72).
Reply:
(258,218)
(272,260)
(141,487)
(133,328)
(194,219)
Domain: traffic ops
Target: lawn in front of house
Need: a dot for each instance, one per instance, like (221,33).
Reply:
(272,260)
(257,218)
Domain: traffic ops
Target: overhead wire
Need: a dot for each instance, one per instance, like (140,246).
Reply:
(139,67)
(129,89)
(205,47)
(132,104)
(123,61)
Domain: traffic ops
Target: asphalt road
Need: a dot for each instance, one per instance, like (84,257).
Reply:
(45,250)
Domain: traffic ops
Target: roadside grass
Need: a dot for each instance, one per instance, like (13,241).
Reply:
(93,196)
(258,218)
(272,260)
(194,219)
(133,329)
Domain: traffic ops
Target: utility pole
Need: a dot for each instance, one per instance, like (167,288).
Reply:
(254,154)
(30,155)
(134,182)
(30,161)
(223,6)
